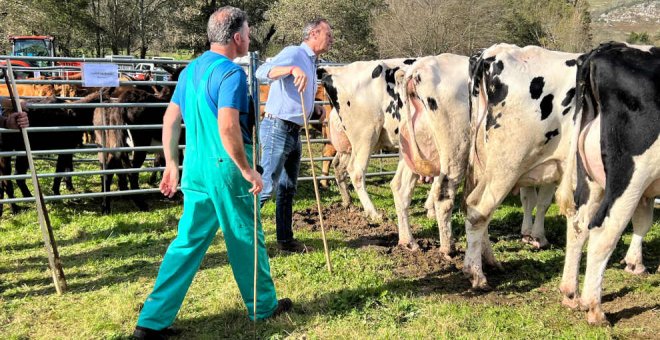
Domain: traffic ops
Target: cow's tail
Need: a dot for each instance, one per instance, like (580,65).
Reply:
(476,89)
(584,109)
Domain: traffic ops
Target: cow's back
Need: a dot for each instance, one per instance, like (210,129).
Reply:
(522,102)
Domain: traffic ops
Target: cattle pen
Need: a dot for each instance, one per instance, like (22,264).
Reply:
(91,148)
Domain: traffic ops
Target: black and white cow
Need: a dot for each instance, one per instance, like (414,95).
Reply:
(521,106)
(364,119)
(434,138)
(617,142)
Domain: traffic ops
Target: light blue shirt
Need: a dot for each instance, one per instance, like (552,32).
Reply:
(283,98)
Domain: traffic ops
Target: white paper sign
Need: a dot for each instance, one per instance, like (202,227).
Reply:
(100,75)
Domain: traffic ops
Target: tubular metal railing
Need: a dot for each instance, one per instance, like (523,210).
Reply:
(253,86)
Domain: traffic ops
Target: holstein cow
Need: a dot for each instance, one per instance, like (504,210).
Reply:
(617,141)
(520,103)
(364,119)
(435,137)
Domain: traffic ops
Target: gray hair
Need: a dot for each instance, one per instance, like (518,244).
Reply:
(311,25)
(224,23)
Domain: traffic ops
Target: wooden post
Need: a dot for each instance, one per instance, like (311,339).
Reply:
(44,221)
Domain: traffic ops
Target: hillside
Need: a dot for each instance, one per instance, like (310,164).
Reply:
(615,19)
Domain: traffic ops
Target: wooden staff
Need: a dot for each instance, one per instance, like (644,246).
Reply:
(316,186)
(256,223)
(54,260)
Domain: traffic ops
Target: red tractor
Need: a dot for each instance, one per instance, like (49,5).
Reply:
(34,46)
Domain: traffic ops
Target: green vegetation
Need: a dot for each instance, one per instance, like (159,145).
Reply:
(111,263)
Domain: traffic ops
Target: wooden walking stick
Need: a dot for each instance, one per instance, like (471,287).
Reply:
(54,260)
(316,185)
(256,223)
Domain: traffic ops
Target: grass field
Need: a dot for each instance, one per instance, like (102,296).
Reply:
(111,262)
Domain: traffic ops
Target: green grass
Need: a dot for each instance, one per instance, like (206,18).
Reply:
(111,262)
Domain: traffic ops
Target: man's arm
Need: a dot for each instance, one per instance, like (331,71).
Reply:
(171,134)
(230,132)
(282,65)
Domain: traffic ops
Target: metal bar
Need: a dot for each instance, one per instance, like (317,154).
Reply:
(73,151)
(85,195)
(79,82)
(87,128)
(90,105)
(86,173)
(97,60)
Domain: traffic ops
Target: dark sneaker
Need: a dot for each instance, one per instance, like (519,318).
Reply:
(283,306)
(293,246)
(144,333)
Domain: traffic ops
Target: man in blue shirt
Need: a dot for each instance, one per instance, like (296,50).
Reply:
(291,72)
(218,182)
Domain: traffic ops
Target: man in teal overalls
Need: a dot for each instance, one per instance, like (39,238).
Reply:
(218,183)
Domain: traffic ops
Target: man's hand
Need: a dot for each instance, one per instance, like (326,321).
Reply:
(254,178)
(170,180)
(299,78)
(17,120)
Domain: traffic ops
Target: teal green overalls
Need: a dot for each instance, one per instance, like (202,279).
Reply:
(215,194)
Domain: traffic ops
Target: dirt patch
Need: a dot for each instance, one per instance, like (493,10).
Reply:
(361,232)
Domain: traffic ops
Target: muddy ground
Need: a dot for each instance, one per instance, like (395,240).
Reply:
(432,272)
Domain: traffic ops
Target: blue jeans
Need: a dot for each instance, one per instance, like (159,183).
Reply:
(280,158)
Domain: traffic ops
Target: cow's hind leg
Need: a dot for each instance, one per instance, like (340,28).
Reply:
(328,151)
(21,169)
(576,234)
(528,197)
(543,202)
(443,209)
(340,163)
(64,164)
(357,167)
(136,163)
(603,239)
(402,186)
(432,197)
(481,203)
(642,220)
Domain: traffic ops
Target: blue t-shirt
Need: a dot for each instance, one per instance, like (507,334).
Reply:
(227,87)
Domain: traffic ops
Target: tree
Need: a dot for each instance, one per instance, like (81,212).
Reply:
(639,38)
(554,24)
(349,19)
(419,27)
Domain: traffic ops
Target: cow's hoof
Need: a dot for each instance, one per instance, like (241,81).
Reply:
(493,263)
(596,317)
(323,183)
(410,246)
(447,252)
(536,242)
(477,279)
(480,284)
(374,216)
(572,303)
(635,269)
